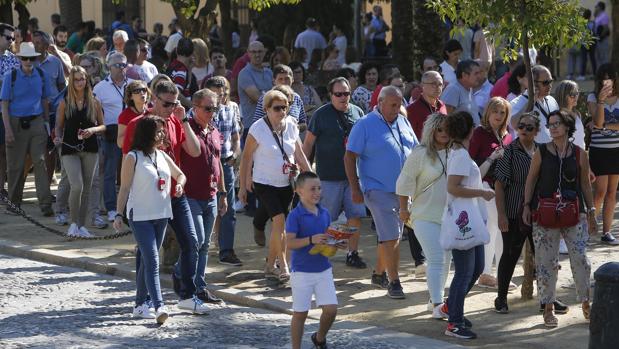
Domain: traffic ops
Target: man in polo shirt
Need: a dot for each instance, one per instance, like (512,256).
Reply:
(327,135)
(110,92)
(8,62)
(179,135)
(428,103)
(229,128)
(375,153)
(459,96)
(25,113)
(254,80)
(310,39)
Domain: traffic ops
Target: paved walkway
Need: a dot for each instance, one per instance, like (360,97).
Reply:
(360,302)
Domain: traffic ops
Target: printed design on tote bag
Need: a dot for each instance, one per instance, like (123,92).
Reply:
(462,223)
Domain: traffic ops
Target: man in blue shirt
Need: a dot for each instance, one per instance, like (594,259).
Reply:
(8,62)
(380,30)
(25,113)
(375,153)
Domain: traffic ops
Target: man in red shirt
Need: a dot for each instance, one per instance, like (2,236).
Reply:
(428,103)
(179,137)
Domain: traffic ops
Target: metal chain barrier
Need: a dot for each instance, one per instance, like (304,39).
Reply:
(17,210)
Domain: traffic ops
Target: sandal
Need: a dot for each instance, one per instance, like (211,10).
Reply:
(284,276)
(550,320)
(586,310)
(271,273)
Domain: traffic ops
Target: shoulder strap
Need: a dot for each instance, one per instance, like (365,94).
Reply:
(279,144)
(13,78)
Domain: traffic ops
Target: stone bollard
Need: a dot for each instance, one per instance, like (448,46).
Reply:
(603,332)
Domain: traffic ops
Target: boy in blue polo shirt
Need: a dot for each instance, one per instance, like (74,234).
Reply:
(311,274)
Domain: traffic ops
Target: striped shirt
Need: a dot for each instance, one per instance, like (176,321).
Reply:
(606,138)
(296,110)
(512,170)
(228,121)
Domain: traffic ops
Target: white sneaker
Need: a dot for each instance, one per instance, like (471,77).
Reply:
(85,233)
(73,230)
(61,219)
(562,247)
(420,271)
(438,313)
(111,215)
(194,305)
(162,314)
(145,311)
(99,222)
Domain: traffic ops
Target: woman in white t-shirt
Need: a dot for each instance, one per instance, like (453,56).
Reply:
(146,189)
(271,159)
(451,54)
(463,180)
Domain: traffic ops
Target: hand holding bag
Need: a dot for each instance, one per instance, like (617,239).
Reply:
(463,226)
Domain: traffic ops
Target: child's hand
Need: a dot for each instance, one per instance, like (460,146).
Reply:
(320,239)
(342,245)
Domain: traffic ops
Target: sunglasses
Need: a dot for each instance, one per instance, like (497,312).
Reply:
(119,65)
(554,125)
(209,108)
(86,66)
(529,128)
(341,94)
(139,90)
(279,107)
(545,82)
(9,38)
(168,104)
(31,59)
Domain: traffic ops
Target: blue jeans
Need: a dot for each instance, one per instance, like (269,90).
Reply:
(228,221)
(149,236)
(469,264)
(185,231)
(203,213)
(112,155)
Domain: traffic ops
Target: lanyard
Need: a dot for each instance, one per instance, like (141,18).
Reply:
(154,162)
(122,94)
(397,125)
(277,140)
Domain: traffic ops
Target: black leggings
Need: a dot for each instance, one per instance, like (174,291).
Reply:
(513,241)
(416,250)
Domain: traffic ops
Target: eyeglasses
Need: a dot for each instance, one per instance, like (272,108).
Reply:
(8,37)
(31,59)
(529,128)
(167,104)
(279,107)
(119,65)
(141,90)
(545,82)
(209,108)
(574,94)
(554,125)
(341,94)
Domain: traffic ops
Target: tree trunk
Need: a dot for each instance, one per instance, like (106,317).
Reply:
(614,35)
(428,33)
(402,45)
(70,13)
(225,8)
(23,18)
(6,13)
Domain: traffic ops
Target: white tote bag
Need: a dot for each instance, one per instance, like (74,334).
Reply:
(463,226)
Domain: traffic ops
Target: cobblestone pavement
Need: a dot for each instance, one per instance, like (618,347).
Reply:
(44,305)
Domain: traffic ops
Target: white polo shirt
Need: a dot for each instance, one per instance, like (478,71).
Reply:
(111,98)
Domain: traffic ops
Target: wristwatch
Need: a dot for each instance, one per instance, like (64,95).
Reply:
(185,119)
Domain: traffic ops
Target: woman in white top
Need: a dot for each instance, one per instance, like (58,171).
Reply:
(271,159)
(451,56)
(424,178)
(146,186)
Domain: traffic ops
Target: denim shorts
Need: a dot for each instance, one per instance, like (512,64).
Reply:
(337,197)
(384,208)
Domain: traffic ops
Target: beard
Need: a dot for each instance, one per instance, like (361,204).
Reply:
(61,44)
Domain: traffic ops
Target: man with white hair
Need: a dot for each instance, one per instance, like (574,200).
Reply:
(119,38)
(110,92)
(375,153)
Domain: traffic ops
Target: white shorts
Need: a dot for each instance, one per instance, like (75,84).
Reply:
(304,285)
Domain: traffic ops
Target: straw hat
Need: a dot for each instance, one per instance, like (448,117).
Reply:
(26,49)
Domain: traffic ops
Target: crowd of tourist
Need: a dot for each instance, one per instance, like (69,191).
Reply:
(156,131)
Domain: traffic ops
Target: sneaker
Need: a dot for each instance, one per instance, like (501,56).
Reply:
(47,211)
(317,344)
(394,291)
(61,219)
(230,259)
(73,230)
(353,260)
(438,313)
(608,238)
(459,331)
(420,271)
(500,305)
(380,280)
(512,286)
(487,281)
(85,233)
(194,305)
(445,309)
(99,222)
(207,297)
(162,314)
(144,311)
(111,215)
(559,307)
(562,247)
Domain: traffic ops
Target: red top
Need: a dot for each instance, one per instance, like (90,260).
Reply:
(202,172)
(501,89)
(419,111)
(482,144)
(374,98)
(179,74)
(126,116)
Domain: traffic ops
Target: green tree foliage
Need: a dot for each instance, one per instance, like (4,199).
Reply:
(522,23)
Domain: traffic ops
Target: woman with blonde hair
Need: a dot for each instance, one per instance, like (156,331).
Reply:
(487,146)
(78,118)
(201,67)
(424,180)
